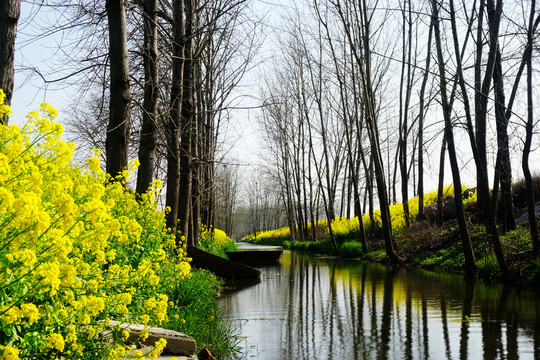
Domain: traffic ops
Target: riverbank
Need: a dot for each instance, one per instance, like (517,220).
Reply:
(423,245)
(426,246)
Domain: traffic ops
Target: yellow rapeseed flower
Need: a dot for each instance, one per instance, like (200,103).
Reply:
(30,311)
(9,352)
(56,341)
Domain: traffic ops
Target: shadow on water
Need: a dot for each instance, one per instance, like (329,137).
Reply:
(322,308)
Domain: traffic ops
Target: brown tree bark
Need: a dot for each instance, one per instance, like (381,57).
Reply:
(440,187)
(117,140)
(10,11)
(186,126)
(147,147)
(173,126)
(421,215)
(480,107)
(196,151)
(529,133)
(404,107)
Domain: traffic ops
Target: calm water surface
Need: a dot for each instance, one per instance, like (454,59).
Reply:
(322,308)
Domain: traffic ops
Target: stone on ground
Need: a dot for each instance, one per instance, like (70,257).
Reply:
(177,343)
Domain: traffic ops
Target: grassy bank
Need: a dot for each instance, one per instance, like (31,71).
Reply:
(77,250)
(424,244)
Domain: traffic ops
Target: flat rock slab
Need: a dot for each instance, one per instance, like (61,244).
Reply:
(177,343)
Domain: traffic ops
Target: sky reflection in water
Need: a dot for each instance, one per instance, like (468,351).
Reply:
(319,308)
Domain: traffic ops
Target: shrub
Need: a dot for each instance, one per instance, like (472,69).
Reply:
(323,247)
(216,242)
(488,267)
(519,192)
(351,249)
(270,237)
(302,246)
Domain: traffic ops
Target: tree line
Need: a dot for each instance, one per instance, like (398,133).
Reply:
(156,78)
(362,90)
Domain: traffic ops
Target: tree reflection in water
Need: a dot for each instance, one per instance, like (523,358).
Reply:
(316,308)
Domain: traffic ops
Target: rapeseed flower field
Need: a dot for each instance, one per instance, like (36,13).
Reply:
(347,229)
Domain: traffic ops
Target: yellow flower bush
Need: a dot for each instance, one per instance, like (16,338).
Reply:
(76,250)
(269,236)
(215,241)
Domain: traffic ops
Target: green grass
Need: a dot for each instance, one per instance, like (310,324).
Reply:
(197,313)
(447,259)
(351,249)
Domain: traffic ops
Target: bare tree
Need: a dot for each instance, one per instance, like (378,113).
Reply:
(527,55)
(9,16)
(351,121)
(421,127)
(356,21)
(148,142)
(173,124)
(117,141)
(407,78)
(470,266)
(477,143)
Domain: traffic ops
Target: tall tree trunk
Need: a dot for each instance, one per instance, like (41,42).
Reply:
(404,110)
(480,108)
(481,114)
(440,187)
(117,140)
(421,215)
(381,190)
(503,115)
(210,140)
(503,166)
(481,100)
(470,266)
(173,126)
(529,133)
(147,147)
(371,197)
(307,207)
(494,16)
(196,151)
(370,104)
(186,126)
(10,11)
(312,206)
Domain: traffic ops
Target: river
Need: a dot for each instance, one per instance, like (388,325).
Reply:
(325,308)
